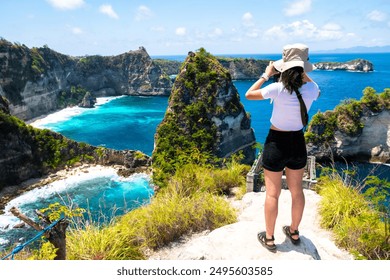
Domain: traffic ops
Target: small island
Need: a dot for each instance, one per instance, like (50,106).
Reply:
(356,65)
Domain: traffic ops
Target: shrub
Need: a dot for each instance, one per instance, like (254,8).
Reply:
(348,117)
(358,226)
(188,204)
(37,63)
(371,100)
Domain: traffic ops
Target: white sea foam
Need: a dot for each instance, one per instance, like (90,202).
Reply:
(74,179)
(3,241)
(68,113)
(59,116)
(103,100)
(61,186)
(7,220)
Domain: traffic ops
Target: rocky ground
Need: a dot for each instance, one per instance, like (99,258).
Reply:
(238,241)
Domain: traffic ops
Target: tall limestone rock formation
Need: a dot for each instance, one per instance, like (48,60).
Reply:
(37,81)
(204,117)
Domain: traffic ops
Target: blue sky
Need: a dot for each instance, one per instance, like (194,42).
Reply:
(174,27)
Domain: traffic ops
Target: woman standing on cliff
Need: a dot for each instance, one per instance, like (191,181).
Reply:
(285,147)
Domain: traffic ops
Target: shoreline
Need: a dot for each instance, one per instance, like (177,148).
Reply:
(9,193)
(59,116)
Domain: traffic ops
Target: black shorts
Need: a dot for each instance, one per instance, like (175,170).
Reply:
(284,149)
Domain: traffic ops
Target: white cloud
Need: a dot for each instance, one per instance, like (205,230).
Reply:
(181,31)
(143,13)
(66,4)
(109,11)
(376,15)
(331,26)
(298,8)
(305,30)
(159,29)
(253,33)
(247,19)
(216,32)
(77,30)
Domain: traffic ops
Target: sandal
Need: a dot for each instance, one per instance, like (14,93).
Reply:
(261,236)
(287,232)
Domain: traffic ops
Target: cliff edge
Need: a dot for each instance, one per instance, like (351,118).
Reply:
(238,241)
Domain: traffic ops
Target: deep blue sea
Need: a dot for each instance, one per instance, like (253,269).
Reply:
(129,122)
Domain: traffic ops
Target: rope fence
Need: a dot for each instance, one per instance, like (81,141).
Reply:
(20,247)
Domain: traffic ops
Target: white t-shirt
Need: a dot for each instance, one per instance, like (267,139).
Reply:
(286,113)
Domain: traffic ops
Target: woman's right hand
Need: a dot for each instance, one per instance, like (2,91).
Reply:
(270,70)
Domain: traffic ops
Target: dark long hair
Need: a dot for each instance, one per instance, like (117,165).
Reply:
(292,78)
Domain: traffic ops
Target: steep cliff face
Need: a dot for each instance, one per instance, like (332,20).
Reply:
(131,73)
(39,80)
(244,68)
(371,145)
(355,131)
(204,116)
(31,79)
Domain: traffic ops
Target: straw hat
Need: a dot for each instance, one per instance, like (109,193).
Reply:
(294,55)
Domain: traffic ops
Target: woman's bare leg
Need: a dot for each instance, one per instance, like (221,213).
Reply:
(294,182)
(273,185)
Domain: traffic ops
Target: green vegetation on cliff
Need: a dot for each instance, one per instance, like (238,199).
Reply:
(360,221)
(40,150)
(72,97)
(346,117)
(188,134)
(37,64)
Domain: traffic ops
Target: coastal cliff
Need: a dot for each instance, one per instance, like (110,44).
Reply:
(28,152)
(37,81)
(353,131)
(204,116)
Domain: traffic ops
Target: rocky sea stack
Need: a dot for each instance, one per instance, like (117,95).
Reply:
(204,119)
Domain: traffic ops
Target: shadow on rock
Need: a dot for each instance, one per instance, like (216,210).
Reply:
(305,247)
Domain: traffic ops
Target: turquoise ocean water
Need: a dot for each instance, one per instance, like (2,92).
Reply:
(129,122)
